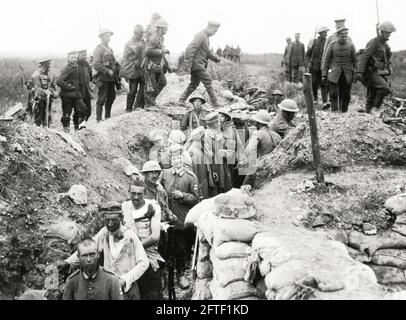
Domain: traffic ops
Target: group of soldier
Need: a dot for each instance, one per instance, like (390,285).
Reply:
(230,53)
(335,65)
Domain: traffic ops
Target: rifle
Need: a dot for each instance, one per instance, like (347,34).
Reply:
(47,108)
(170,264)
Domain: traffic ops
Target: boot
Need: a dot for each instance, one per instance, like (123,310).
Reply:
(326,106)
(82,125)
(379,97)
(182,281)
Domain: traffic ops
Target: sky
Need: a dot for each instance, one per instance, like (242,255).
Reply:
(49,27)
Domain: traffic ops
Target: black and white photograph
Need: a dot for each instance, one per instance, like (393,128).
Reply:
(217,152)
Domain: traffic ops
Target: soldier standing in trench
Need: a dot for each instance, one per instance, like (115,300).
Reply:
(285,61)
(85,77)
(197,55)
(296,58)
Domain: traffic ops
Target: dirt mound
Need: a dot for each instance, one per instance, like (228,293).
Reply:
(345,140)
(37,166)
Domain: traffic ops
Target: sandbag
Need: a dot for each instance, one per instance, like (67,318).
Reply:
(234,291)
(201,290)
(196,212)
(265,267)
(206,224)
(229,270)
(390,257)
(286,275)
(270,249)
(204,251)
(389,275)
(232,249)
(204,269)
(239,230)
(396,204)
(33,295)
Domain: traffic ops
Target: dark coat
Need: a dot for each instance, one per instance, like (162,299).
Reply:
(296,55)
(198,52)
(132,59)
(68,81)
(314,55)
(376,56)
(85,76)
(105,286)
(340,58)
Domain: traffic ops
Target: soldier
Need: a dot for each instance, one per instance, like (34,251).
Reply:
(215,157)
(182,188)
(196,117)
(338,69)
(196,61)
(296,58)
(85,77)
(277,97)
(219,52)
(238,54)
(285,61)
(123,252)
(232,143)
(131,69)
(263,141)
(91,281)
(339,23)
(71,94)
(282,123)
(143,216)
(374,67)
(104,64)
(314,57)
(156,63)
(260,101)
(250,96)
(44,88)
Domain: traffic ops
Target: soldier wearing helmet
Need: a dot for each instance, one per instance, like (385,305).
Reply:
(277,97)
(314,56)
(374,67)
(196,117)
(283,122)
(155,63)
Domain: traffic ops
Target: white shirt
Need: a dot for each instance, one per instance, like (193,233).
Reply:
(115,247)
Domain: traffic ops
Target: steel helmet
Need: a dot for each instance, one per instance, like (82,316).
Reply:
(323,29)
(289,105)
(161,23)
(387,26)
(151,166)
(224,112)
(177,136)
(277,93)
(197,96)
(262,117)
(261,90)
(104,31)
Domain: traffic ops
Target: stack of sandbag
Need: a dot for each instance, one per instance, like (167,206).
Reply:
(389,264)
(204,272)
(396,205)
(300,265)
(229,229)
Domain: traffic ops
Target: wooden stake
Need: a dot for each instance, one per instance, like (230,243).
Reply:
(307,84)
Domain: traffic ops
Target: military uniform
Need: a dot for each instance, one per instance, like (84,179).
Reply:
(131,70)
(314,57)
(104,285)
(296,58)
(103,61)
(71,96)
(157,66)
(41,82)
(85,77)
(186,182)
(281,125)
(286,65)
(338,67)
(196,58)
(191,121)
(374,64)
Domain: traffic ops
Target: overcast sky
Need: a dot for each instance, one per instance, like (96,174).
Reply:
(44,27)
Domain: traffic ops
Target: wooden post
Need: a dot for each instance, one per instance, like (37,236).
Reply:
(307,84)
